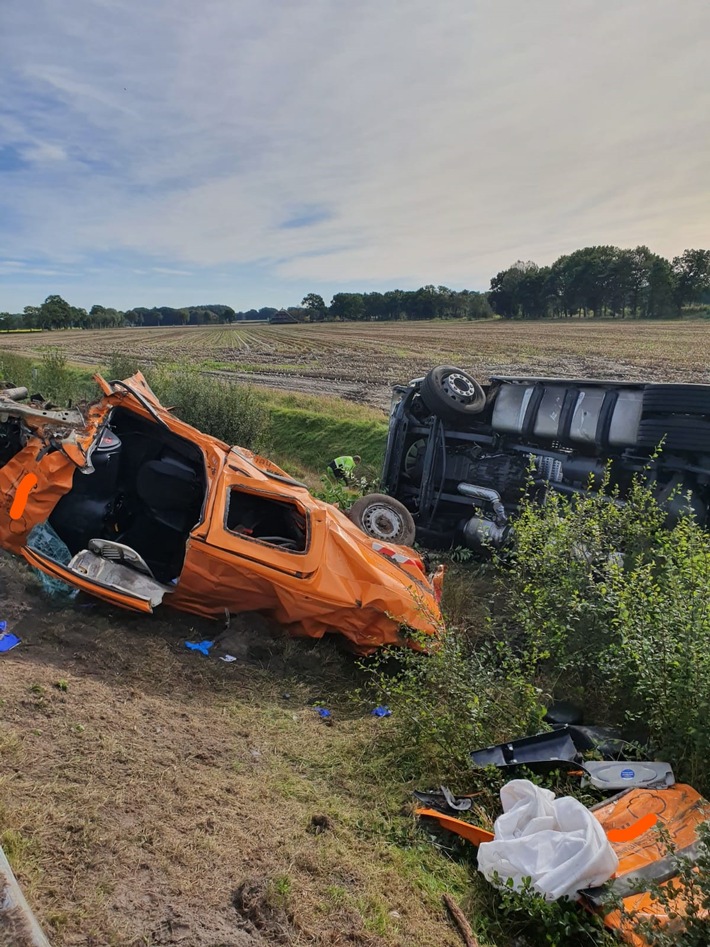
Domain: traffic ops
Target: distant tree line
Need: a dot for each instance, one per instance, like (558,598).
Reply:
(603,282)
(56,313)
(593,282)
(429,302)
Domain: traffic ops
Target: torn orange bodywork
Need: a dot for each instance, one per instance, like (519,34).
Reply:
(321,574)
(646,857)
(631,821)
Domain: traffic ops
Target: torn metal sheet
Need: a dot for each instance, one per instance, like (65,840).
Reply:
(631,821)
(148,505)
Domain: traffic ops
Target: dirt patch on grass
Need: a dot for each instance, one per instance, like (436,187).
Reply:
(152,796)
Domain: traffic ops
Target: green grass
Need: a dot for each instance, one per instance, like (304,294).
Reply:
(309,440)
(300,432)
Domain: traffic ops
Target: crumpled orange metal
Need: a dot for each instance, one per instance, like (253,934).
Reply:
(340,583)
(679,810)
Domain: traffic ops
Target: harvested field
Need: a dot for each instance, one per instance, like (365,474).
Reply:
(362,361)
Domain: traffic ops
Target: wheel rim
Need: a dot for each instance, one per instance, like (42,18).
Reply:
(382,522)
(459,388)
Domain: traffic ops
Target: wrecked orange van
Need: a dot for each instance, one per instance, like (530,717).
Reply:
(150,510)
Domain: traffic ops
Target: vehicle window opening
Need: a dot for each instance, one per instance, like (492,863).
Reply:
(146,492)
(276,522)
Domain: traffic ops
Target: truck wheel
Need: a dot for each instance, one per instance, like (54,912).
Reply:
(677,399)
(383,518)
(678,432)
(452,394)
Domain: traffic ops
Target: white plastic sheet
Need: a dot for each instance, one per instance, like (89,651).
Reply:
(557,843)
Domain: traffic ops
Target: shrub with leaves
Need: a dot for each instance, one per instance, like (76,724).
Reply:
(457,696)
(605,602)
(661,655)
(228,411)
(551,923)
(685,900)
(120,366)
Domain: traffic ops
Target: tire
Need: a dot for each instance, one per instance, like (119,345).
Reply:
(383,518)
(451,394)
(677,399)
(677,433)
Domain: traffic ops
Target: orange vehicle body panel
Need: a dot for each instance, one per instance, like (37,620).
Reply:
(340,583)
(679,810)
(467,830)
(635,817)
(86,585)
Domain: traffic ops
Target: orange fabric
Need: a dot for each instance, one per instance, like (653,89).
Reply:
(339,584)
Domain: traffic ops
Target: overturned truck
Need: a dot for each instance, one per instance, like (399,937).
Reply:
(460,456)
(143,509)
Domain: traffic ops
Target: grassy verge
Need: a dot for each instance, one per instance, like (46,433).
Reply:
(146,791)
(306,441)
(300,432)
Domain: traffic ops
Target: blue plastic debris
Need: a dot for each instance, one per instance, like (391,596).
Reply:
(202,646)
(382,711)
(8,641)
(322,712)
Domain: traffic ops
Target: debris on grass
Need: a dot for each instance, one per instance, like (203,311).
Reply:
(381,711)
(8,641)
(321,823)
(202,646)
(262,903)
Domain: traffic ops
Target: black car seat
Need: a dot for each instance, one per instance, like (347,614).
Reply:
(172,491)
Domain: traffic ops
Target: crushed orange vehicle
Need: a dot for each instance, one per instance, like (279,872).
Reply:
(153,511)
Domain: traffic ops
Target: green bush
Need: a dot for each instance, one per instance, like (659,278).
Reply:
(121,366)
(462,694)
(228,411)
(17,369)
(661,656)
(692,883)
(52,377)
(605,604)
(550,923)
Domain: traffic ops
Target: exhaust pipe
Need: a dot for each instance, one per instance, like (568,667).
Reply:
(485,495)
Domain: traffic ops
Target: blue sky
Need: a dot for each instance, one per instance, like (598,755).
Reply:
(251,151)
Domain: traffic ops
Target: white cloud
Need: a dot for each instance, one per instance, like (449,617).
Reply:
(443,141)
(43,151)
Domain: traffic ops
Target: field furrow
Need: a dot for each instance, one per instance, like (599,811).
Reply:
(361,361)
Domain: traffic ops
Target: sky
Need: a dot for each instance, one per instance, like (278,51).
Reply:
(248,152)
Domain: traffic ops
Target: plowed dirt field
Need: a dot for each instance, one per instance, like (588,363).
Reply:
(362,361)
